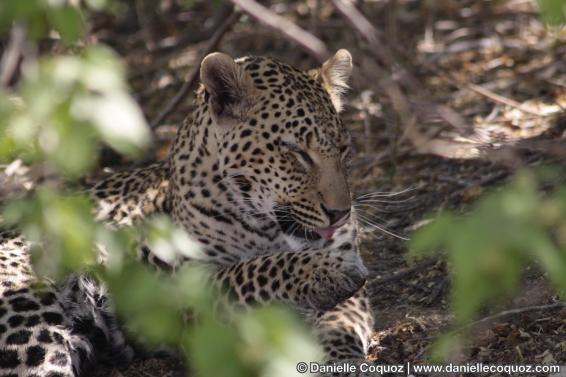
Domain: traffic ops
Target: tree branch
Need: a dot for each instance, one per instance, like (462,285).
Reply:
(11,57)
(392,84)
(289,30)
(193,75)
(403,273)
(512,312)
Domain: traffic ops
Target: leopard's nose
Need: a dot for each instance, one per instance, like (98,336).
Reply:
(336,216)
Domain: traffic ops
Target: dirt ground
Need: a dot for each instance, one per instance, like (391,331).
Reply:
(451,48)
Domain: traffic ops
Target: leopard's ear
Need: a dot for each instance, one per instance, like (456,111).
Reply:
(334,75)
(229,87)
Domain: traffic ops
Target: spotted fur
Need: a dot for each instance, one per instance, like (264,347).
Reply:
(258,177)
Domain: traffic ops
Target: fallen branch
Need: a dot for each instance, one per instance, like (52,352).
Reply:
(555,148)
(289,30)
(146,18)
(403,273)
(500,99)
(193,75)
(12,54)
(360,23)
(512,312)
(178,41)
(389,83)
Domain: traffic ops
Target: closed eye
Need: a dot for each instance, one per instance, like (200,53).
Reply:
(305,156)
(299,152)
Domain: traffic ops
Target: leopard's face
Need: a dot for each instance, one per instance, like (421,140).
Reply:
(281,145)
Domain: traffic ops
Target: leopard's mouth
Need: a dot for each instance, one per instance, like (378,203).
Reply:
(293,228)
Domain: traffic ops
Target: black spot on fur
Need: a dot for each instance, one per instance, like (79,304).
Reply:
(346,246)
(262,280)
(32,320)
(15,320)
(52,318)
(44,336)
(35,356)
(22,304)
(58,337)
(96,336)
(47,298)
(9,359)
(10,292)
(19,337)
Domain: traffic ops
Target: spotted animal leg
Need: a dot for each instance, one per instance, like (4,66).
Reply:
(316,280)
(345,331)
(37,338)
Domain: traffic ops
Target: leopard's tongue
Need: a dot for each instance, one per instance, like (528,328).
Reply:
(326,233)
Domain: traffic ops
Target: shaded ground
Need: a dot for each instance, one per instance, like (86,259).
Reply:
(504,49)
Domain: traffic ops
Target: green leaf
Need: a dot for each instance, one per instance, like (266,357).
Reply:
(66,19)
(489,247)
(431,236)
(98,5)
(147,300)
(212,341)
(61,224)
(553,11)
(69,104)
(275,339)
(17,10)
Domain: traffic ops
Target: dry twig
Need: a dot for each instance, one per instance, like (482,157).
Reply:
(553,148)
(403,273)
(178,41)
(289,30)
(512,312)
(192,77)
(500,99)
(390,84)
(364,27)
(146,19)
(11,57)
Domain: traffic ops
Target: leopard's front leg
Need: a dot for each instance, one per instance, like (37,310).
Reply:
(316,280)
(345,331)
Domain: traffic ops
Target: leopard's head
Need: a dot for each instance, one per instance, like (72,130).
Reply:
(281,143)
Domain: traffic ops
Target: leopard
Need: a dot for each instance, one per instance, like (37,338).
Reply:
(258,177)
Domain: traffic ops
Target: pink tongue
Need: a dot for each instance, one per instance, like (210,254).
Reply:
(326,233)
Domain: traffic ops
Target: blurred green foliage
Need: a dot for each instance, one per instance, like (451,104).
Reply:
(489,248)
(62,224)
(66,105)
(553,11)
(59,113)
(41,16)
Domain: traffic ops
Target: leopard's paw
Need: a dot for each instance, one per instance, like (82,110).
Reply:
(334,278)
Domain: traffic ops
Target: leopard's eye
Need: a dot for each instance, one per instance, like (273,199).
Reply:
(298,151)
(305,156)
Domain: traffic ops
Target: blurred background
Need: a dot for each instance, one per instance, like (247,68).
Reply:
(457,111)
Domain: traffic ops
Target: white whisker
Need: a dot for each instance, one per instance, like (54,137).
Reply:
(385,193)
(381,227)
